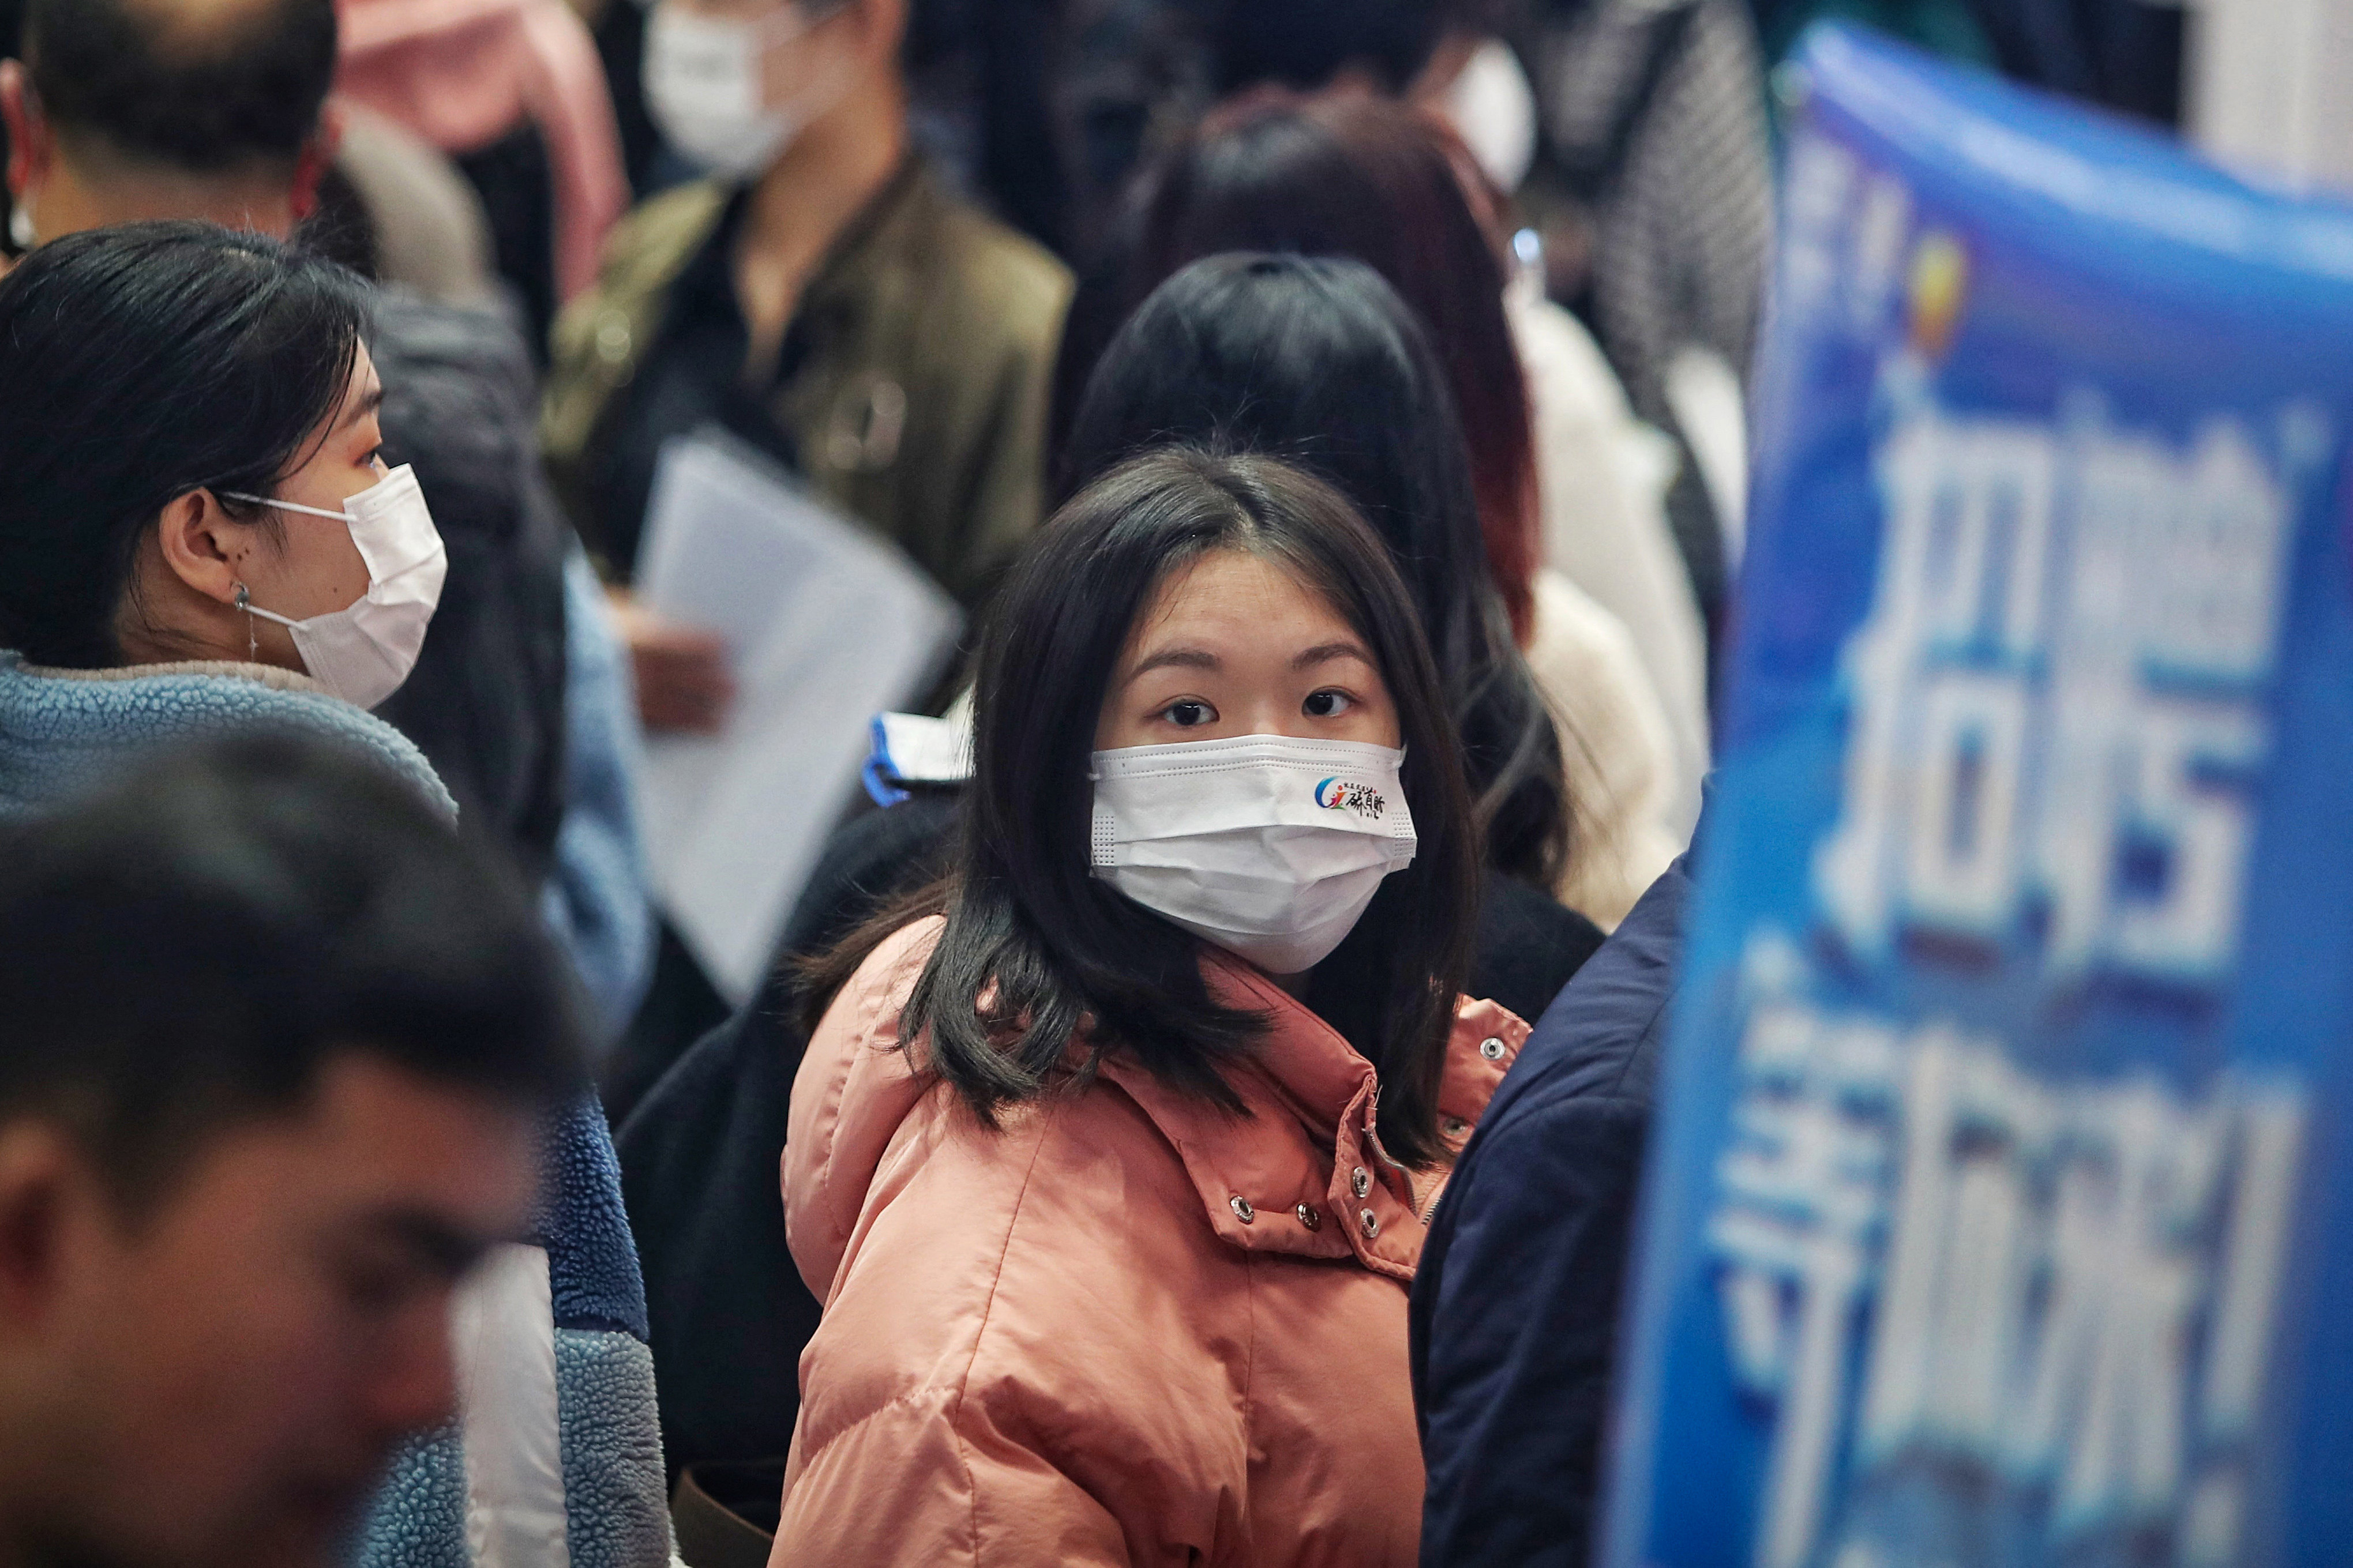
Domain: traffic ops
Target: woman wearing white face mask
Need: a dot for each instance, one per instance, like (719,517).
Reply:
(197,536)
(197,529)
(1114,1251)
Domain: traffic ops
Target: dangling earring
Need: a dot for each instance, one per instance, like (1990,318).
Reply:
(252,642)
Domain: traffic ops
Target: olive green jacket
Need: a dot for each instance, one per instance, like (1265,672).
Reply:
(920,404)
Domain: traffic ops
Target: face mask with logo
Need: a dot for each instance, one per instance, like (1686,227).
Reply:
(1267,846)
(706,86)
(362,654)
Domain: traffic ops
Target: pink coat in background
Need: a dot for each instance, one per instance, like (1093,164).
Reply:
(1125,1327)
(461,74)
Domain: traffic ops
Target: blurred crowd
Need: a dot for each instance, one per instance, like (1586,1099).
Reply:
(1345,391)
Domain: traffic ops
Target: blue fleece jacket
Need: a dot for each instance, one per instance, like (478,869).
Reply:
(62,732)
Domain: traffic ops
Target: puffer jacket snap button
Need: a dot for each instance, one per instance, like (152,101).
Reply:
(1308,1216)
(1492,1047)
(1241,1207)
(1370,1221)
(1360,1180)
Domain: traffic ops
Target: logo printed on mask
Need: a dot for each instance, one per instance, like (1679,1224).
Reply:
(1341,794)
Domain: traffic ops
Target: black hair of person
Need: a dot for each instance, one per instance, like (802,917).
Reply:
(1321,363)
(1306,43)
(1351,174)
(218,91)
(188,948)
(139,363)
(1032,929)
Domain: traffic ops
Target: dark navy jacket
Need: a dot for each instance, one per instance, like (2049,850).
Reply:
(1516,1303)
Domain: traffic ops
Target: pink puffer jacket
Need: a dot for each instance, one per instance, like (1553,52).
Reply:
(1123,1327)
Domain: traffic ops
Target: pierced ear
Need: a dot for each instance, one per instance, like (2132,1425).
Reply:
(203,545)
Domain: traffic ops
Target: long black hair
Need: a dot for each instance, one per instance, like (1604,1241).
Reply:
(1034,942)
(1343,174)
(137,364)
(1321,363)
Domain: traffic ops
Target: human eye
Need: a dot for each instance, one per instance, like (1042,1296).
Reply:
(1189,713)
(1328,704)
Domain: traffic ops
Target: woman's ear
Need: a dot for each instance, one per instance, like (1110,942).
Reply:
(29,131)
(318,156)
(205,547)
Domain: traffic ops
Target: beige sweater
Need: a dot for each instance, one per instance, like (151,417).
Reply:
(1617,746)
(1602,475)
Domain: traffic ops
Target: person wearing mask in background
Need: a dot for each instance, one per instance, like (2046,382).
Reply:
(278,1045)
(822,296)
(1363,177)
(1219,857)
(198,535)
(126,109)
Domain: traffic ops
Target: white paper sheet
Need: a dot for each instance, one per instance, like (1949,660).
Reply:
(826,624)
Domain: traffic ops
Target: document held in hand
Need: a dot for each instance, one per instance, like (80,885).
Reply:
(2000,1207)
(826,624)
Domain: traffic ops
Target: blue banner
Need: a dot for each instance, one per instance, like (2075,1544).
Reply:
(2000,1209)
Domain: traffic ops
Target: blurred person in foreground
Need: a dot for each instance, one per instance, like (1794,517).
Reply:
(199,536)
(128,110)
(278,1043)
(823,295)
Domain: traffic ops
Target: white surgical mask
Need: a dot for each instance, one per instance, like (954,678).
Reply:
(1267,846)
(362,654)
(706,81)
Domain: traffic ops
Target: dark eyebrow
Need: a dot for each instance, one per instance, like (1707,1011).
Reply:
(1175,658)
(355,412)
(1325,653)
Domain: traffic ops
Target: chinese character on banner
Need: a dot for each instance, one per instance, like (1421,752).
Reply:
(1804,1185)
(2061,1295)
(2058,694)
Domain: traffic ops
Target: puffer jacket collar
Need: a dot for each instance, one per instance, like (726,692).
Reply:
(1302,1147)
(1304,1172)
